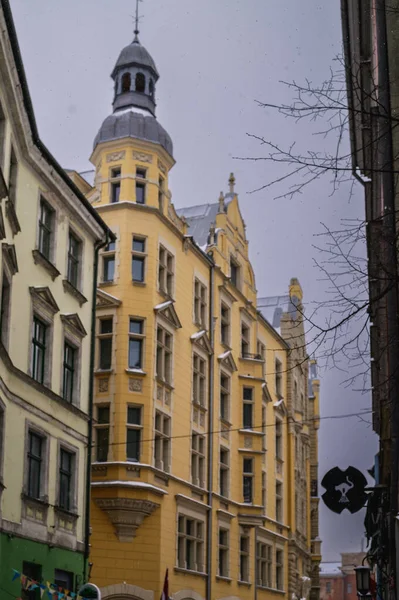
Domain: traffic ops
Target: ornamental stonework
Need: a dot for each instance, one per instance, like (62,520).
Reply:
(247,442)
(126,514)
(162,167)
(103,385)
(142,157)
(135,385)
(114,156)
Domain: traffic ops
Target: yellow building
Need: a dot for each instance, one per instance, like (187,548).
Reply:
(50,236)
(192,454)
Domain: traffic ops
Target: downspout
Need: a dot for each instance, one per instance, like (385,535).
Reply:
(97,248)
(256,565)
(210,434)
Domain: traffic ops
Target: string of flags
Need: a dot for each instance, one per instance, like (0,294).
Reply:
(53,591)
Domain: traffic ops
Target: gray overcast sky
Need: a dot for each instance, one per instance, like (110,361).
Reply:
(215,58)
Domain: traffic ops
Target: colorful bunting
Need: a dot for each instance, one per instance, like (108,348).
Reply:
(53,592)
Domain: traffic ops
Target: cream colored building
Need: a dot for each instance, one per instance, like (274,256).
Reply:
(50,237)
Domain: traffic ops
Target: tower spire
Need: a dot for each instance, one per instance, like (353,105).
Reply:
(136,29)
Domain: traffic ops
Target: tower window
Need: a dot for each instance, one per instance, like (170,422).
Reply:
(151,88)
(140,185)
(140,83)
(115,184)
(126,82)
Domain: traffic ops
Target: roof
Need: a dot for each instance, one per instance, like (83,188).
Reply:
(5,4)
(135,54)
(330,568)
(129,123)
(199,219)
(273,307)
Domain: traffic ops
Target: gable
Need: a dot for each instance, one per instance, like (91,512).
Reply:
(265,393)
(104,300)
(75,324)
(226,360)
(235,217)
(43,296)
(201,340)
(168,312)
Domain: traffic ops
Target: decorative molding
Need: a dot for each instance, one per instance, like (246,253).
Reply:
(2,226)
(43,297)
(202,340)
(3,186)
(126,514)
(74,324)
(121,591)
(40,259)
(142,157)
(10,256)
(105,300)
(12,217)
(71,289)
(114,156)
(162,167)
(135,384)
(168,312)
(103,385)
(174,217)
(226,360)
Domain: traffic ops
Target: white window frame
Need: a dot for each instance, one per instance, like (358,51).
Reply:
(162,441)
(166,271)
(198,453)
(197,538)
(200,303)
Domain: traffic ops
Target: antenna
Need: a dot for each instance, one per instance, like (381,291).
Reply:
(136,30)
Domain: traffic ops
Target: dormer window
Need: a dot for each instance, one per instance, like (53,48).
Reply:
(140,83)
(126,82)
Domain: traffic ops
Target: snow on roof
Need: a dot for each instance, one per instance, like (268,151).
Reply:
(163,305)
(197,335)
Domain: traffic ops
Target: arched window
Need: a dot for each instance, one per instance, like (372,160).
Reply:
(140,83)
(151,88)
(126,82)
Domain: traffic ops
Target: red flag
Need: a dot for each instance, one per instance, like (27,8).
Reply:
(165,591)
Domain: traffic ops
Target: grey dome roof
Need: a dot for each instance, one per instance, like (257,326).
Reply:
(130,124)
(135,54)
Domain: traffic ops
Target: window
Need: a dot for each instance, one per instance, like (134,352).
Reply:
(200,304)
(166,271)
(190,550)
(108,257)
(32,571)
(328,587)
(245,334)
(46,226)
(224,472)
(12,182)
(38,349)
(247,408)
(349,588)
(264,564)
(151,88)
(2,136)
(261,354)
(198,460)
(279,439)
(223,552)
(244,558)
(264,428)
(264,491)
(140,185)
(102,433)
(279,569)
(199,380)
(134,427)
(248,477)
(234,272)
(224,397)
(279,501)
(105,339)
(74,258)
(66,479)
(5,309)
(164,355)
(64,579)
(115,184)
(225,324)
(126,82)
(279,378)
(140,83)
(138,259)
(136,342)
(68,385)
(162,441)
(161,184)
(35,464)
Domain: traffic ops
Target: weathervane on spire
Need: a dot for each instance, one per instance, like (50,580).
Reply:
(136,30)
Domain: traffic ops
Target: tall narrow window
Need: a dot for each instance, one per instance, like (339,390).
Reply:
(2,137)
(38,349)
(32,571)
(69,372)
(225,324)
(66,479)
(234,272)
(126,82)
(224,472)
(5,309)
(244,558)
(102,433)
(279,378)
(261,355)
(279,569)
(134,427)
(140,83)
(162,442)
(165,271)
(35,465)
(108,257)
(164,355)
(279,501)
(264,564)
(46,225)
(161,185)
(224,397)
(264,491)
(190,545)
(199,380)
(223,552)
(12,183)
(136,343)
(141,175)
(198,460)
(264,428)
(279,439)
(248,479)
(248,408)
(245,340)
(105,344)
(151,88)
(200,304)
(138,259)
(115,184)
(74,258)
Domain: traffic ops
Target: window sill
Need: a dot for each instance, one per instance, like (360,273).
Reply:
(227,347)
(244,583)
(40,259)
(103,371)
(71,289)
(135,371)
(225,422)
(70,514)
(190,572)
(139,283)
(106,283)
(223,578)
(12,217)
(270,589)
(200,406)
(250,431)
(169,386)
(165,295)
(38,501)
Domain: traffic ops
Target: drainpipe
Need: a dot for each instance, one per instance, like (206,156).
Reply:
(256,565)
(97,248)
(210,434)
